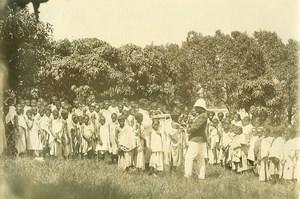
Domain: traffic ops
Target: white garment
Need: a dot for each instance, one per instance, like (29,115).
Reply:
(195,151)
(277,149)
(104,135)
(251,148)
(247,132)
(156,142)
(10,115)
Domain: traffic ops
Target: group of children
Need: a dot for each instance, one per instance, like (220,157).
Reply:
(270,152)
(147,136)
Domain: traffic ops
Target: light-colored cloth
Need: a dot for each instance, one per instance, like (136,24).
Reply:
(112,137)
(251,148)
(21,134)
(277,149)
(55,142)
(10,115)
(196,152)
(288,164)
(104,135)
(264,153)
(33,139)
(247,130)
(126,138)
(2,134)
(157,160)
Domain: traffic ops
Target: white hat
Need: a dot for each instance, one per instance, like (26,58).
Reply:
(200,103)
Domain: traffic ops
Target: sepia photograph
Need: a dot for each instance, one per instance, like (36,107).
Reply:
(116,99)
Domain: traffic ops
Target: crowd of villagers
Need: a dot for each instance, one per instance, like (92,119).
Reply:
(146,137)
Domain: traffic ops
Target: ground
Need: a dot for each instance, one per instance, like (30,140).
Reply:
(28,178)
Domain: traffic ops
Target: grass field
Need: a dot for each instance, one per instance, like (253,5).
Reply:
(27,178)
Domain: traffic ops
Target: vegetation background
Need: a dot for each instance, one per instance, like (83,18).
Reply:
(255,72)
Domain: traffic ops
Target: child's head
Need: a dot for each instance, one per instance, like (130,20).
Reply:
(226,123)
(33,102)
(97,108)
(91,108)
(211,115)
(34,110)
(86,119)
(121,121)
(267,131)
(193,112)
(155,124)
(121,107)
(48,112)
(29,114)
(175,116)
(55,114)
(238,130)
(75,118)
(254,131)
(80,119)
(102,120)
(246,121)
(42,111)
(215,122)
(260,131)
(138,117)
(27,102)
(125,114)
(237,117)
(64,114)
(106,104)
(19,110)
(220,116)
(114,117)
(286,134)
(113,103)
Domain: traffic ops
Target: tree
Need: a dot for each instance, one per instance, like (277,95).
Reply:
(25,47)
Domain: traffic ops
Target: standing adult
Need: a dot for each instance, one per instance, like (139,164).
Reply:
(197,141)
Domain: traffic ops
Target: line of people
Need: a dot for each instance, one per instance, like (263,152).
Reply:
(150,137)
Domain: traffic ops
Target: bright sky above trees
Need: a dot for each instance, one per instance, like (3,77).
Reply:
(143,21)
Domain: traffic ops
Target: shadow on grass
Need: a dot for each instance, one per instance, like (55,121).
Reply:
(20,188)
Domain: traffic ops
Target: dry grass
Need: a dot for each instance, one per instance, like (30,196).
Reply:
(26,178)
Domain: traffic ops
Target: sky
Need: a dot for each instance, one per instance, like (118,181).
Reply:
(143,22)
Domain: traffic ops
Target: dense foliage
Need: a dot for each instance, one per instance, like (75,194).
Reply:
(258,72)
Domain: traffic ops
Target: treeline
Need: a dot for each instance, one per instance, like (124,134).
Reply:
(256,72)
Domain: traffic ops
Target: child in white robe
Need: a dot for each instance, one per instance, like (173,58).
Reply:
(112,138)
(44,127)
(156,160)
(139,155)
(104,135)
(87,132)
(55,141)
(213,141)
(126,145)
(177,135)
(251,157)
(288,155)
(20,131)
(276,155)
(34,144)
(264,154)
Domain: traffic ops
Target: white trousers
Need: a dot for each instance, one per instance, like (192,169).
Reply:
(196,151)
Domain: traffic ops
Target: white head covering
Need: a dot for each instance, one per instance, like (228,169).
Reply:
(201,103)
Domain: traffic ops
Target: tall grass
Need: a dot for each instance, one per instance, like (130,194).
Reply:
(27,178)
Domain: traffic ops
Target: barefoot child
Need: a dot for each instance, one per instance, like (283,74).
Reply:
(156,160)
(34,144)
(112,138)
(139,155)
